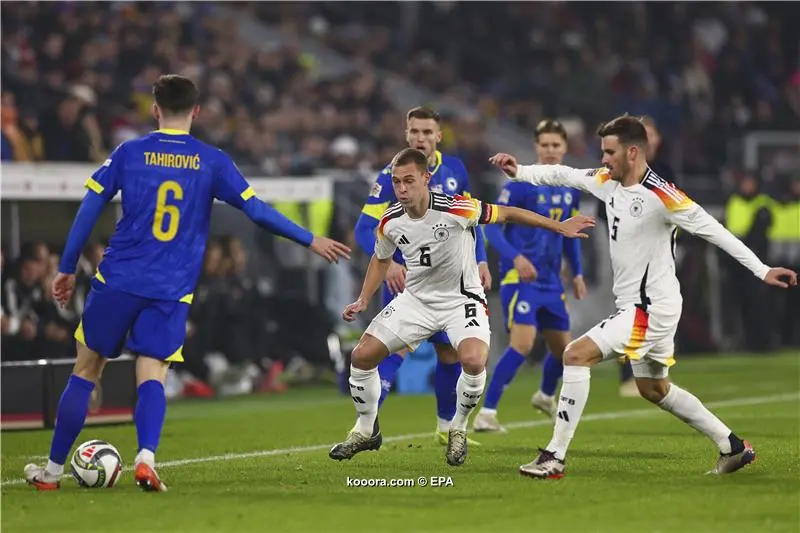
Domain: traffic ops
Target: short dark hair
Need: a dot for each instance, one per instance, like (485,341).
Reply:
(423,113)
(411,155)
(175,94)
(628,129)
(647,120)
(549,126)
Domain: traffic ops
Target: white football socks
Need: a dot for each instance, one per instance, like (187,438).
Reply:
(468,390)
(365,389)
(54,470)
(571,401)
(690,409)
(145,456)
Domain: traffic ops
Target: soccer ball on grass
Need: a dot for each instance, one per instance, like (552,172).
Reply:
(96,464)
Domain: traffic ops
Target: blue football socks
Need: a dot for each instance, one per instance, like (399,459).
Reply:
(503,374)
(551,372)
(151,408)
(387,370)
(445,381)
(72,409)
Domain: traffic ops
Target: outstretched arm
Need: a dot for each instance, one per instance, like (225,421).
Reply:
(231,187)
(696,220)
(568,228)
(591,180)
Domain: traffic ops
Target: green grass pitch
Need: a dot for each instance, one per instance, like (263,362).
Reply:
(260,464)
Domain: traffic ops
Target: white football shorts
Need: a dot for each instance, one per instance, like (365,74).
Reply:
(645,337)
(407,322)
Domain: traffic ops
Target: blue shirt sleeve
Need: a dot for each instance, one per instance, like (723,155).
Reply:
(231,187)
(107,180)
(381,196)
(509,196)
(102,186)
(572,247)
(364,233)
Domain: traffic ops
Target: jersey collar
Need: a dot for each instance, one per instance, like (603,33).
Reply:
(169,131)
(438,163)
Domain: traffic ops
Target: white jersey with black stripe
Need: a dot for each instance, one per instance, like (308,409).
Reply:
(438,248)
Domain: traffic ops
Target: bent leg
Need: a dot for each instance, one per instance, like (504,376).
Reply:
(522,337)
(389,366)
(473,353)
(74,406)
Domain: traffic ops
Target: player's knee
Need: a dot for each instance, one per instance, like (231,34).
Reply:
(522,338)
(359,357)
(150,369)
(367,354)
(652,390)
(577,353)
(523,346)
(473,354)
(89,364)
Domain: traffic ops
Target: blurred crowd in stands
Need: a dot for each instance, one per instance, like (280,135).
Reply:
(76,76)
(706,72)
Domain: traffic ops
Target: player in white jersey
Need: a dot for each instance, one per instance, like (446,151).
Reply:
(443,292)
(644,212)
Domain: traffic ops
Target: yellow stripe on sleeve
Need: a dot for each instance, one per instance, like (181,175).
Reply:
(248,193)
(92,185)
(375,211)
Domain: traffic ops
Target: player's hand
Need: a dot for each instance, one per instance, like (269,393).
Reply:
(350,312)
(396,278)
(526,270)
(505,162)
(775,277)
(573,226)
(485,275)
(329,249)
(579,287)
(63,287)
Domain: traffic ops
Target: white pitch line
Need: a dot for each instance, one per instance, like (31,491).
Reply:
(611,415)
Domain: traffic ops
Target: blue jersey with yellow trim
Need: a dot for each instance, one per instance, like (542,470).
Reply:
(448,176)
(168,181)
(541,247)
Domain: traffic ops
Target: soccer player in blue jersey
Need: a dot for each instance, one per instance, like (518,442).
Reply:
(531,291)
(448,176)
(142,291)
